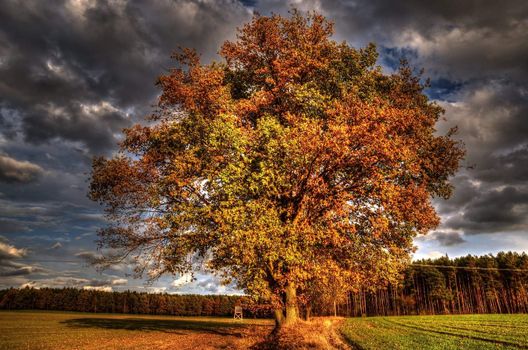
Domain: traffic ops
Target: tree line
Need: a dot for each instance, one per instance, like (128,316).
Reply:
(470,284)
(130,302)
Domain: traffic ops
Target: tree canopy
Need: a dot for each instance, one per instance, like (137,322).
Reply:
(294,158)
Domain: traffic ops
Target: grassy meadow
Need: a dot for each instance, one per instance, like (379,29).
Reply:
(438,332)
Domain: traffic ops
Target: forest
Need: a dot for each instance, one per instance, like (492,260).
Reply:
(464,285)
(469,284)
(132,302)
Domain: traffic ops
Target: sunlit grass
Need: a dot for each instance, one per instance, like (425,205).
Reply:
(439,332)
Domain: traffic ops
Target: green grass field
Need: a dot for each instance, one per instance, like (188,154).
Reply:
(439,332)
(64,330)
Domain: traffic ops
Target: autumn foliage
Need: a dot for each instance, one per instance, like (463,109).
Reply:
(292,162)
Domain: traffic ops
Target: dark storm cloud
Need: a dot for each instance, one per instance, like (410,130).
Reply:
(492,119)
(74,73)
(448,238)
(465,191)
(496,210)
(56,216)
(11,226)
(76,69)
(492,195)
(21,271)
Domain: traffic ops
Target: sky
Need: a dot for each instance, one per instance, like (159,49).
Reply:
(74,73)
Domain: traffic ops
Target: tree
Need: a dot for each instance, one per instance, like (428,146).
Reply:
(292,154)
(326,291)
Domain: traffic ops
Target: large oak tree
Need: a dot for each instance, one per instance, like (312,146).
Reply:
(294,159)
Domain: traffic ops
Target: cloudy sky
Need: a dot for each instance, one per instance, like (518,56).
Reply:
(74,73)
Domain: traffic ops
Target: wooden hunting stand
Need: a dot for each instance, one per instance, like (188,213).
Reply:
(238,313)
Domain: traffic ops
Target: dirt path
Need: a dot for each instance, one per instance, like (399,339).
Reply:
(336,339)
(321,333)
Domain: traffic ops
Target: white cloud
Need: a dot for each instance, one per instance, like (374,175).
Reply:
(119,281)
(434,254)
(30,284)
(8,251)
(79,7)
(57,245)
(182,280)
(99,288)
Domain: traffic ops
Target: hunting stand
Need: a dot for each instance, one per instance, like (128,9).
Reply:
(238,313)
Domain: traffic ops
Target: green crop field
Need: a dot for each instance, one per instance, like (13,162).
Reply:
(438,332)
(64,330)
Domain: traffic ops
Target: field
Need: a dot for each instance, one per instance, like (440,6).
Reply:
(63,330)
(438,332)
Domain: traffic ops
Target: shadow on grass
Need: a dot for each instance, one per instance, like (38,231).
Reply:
(168,326)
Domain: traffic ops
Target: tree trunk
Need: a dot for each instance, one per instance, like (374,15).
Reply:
(292,314)
(279,317)
(308,311)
